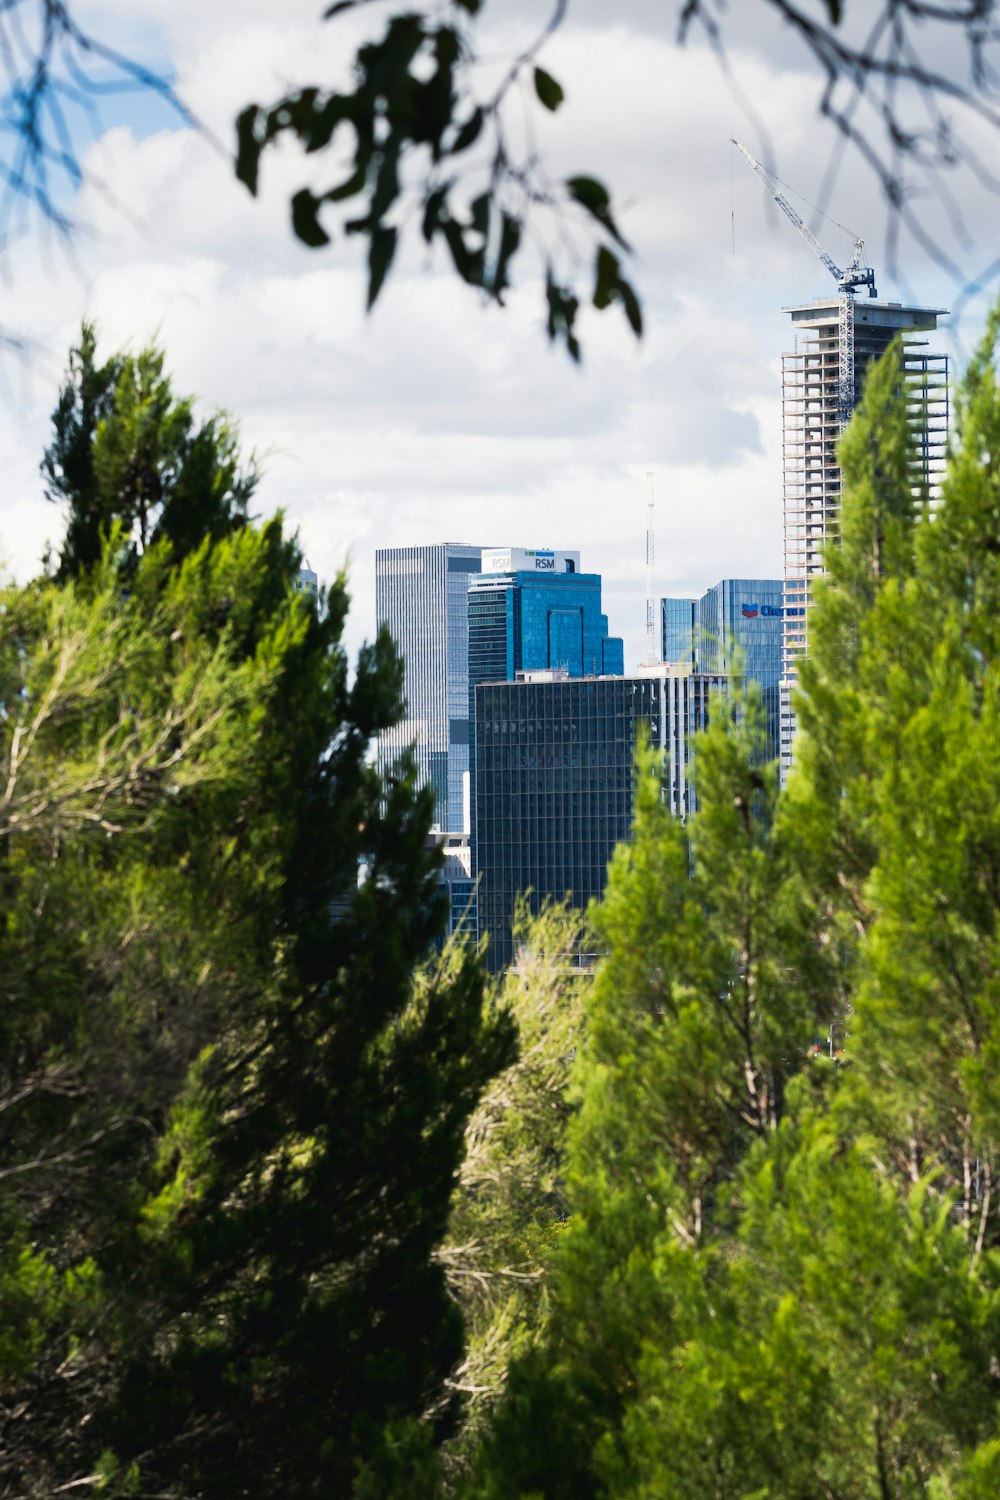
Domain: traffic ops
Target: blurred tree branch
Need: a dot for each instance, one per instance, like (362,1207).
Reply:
(437,139)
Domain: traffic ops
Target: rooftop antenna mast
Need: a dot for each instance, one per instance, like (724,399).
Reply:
(652,655)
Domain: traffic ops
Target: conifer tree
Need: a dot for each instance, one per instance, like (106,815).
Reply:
(232,1121)
(510,1207)
(804,1300)
(126,451)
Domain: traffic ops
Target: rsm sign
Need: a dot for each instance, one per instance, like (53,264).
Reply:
(544,564)
(764,611)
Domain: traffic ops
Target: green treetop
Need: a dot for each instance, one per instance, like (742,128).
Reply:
(232,1121)
(125,450)
(780,1274)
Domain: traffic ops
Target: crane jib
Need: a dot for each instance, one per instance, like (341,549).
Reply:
(857,273)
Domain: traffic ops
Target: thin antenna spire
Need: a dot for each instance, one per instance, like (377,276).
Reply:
(652,655)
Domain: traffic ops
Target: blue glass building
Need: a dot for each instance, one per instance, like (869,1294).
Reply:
(679,630)
(734,627)
(420,593)
(535,611)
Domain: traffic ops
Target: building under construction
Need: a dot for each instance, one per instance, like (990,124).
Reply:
(836,339)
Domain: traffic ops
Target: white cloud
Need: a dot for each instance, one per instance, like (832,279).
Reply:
(438,418)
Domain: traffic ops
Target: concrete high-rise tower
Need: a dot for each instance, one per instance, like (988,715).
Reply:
(836,339)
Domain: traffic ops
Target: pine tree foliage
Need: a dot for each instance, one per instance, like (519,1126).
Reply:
(510,1205)
(781,1272)
(231,1121)
(126,451)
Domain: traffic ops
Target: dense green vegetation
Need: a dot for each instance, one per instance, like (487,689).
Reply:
(781,1270)
(287,1210)
(231,1113)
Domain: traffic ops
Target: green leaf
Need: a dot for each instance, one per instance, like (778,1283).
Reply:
(605,276)
(435,211)
(590,193)
(548,90)
(248,146)
(611,286)
(510,239)
(593,196)
(381,249)
(563,308)
(317,124)
(481,214)
(386,189)
(631,304)
(305,221)
(468,263)
(469,133)
(348,188)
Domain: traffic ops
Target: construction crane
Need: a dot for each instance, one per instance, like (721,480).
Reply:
(857,272)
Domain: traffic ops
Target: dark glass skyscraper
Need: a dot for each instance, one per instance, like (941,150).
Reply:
(420,593)
(554,781)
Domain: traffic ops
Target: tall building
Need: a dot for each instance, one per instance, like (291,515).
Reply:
(678,631)
(555,780)
(836,339)
(533,611)
(735,626)
(307,582)
(420,593)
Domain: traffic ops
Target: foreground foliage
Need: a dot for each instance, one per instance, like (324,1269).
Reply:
(728,1225)
(781,1274)
(230,1124)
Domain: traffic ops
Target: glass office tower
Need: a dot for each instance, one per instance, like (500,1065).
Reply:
(555,781)
(678,631)
(734,627)
(534,611)
(546,616)
(421,594)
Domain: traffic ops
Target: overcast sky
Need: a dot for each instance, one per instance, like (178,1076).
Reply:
(436,418)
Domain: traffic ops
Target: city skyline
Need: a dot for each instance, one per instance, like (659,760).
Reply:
(437,414)
(523,722)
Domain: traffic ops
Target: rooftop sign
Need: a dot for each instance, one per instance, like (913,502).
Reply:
(529,560)
(765,611)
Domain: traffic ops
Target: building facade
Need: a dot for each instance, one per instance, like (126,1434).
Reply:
(555,781)
(421,595)
(679,631)
(532,611)
(535,611)
(735,628)
(837,338)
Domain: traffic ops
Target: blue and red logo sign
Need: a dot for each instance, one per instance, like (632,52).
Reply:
(749,611)
(766,611)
